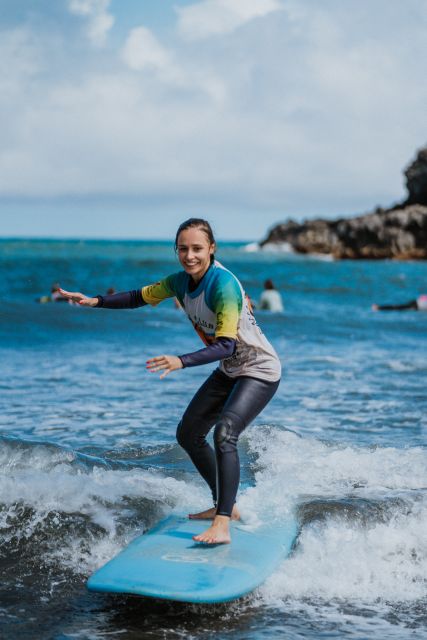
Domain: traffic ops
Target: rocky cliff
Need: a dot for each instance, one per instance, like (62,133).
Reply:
(399,232)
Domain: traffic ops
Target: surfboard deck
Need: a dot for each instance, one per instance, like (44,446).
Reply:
(167,563)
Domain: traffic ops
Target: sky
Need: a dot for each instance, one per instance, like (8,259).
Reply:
(121,118)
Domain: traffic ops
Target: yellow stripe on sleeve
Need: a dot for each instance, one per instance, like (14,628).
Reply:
(155,293)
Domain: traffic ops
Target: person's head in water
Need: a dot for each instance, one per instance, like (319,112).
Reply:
(195,246)
(268,284)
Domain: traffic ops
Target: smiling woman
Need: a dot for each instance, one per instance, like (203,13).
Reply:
(237,391)
(194,253)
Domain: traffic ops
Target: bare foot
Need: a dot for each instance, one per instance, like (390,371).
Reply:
(210,514)
(218,532)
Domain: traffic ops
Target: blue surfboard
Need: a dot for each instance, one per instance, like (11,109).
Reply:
(167,563)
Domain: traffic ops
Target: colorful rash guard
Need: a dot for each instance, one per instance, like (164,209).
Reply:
(219,308)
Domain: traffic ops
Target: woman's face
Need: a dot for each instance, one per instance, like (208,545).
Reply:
(194,252)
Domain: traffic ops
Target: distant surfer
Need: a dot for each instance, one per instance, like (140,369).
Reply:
(237,391)
(270,299)
(55,296)
(419,304)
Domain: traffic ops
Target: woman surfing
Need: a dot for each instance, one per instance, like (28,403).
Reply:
(246,379)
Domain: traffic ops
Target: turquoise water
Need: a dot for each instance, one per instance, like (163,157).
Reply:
(89,458)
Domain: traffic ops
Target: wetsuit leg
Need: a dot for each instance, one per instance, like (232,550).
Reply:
(199,417)
(398,307)
(247,399)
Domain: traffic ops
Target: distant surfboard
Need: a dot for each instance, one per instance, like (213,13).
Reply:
(167,563)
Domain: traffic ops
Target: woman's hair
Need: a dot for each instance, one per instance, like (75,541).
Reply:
(197,223)
(268,284)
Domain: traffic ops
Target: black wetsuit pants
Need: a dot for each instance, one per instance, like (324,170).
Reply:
(399,307)
(230,404)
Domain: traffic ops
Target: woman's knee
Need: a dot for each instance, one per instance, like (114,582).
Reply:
(226,434)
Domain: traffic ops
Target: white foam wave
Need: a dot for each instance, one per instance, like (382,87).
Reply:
(290,465)
(340,556)
(101,496)
(277,247)
(252,247)
(331,359)
(15,454)
(343,560)
(405,367)
(317,402)
(337,556)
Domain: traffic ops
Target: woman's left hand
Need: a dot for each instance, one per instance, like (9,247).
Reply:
(164,363)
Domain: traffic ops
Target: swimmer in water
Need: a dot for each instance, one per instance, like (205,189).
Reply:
(419,304)
(246,379)
(270,299)
(55,296)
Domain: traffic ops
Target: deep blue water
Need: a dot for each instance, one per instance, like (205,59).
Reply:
(89,458)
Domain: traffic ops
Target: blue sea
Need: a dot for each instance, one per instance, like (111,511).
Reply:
(89,459)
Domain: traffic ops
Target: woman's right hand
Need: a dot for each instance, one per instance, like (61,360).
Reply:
(79,298)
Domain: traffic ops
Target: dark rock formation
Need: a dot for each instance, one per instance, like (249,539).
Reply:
(416,179)
(399,232)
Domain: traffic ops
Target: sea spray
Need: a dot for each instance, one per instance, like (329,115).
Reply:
(362,513)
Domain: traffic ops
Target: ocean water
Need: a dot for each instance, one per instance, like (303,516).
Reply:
(89,459)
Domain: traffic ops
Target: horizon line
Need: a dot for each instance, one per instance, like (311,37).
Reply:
(109,239)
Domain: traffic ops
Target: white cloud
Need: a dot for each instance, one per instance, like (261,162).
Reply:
(21,56)
(99,21)
(217,17)
(22,61)
(142,50)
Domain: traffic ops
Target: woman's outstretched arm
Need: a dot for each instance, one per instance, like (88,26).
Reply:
(125,300)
